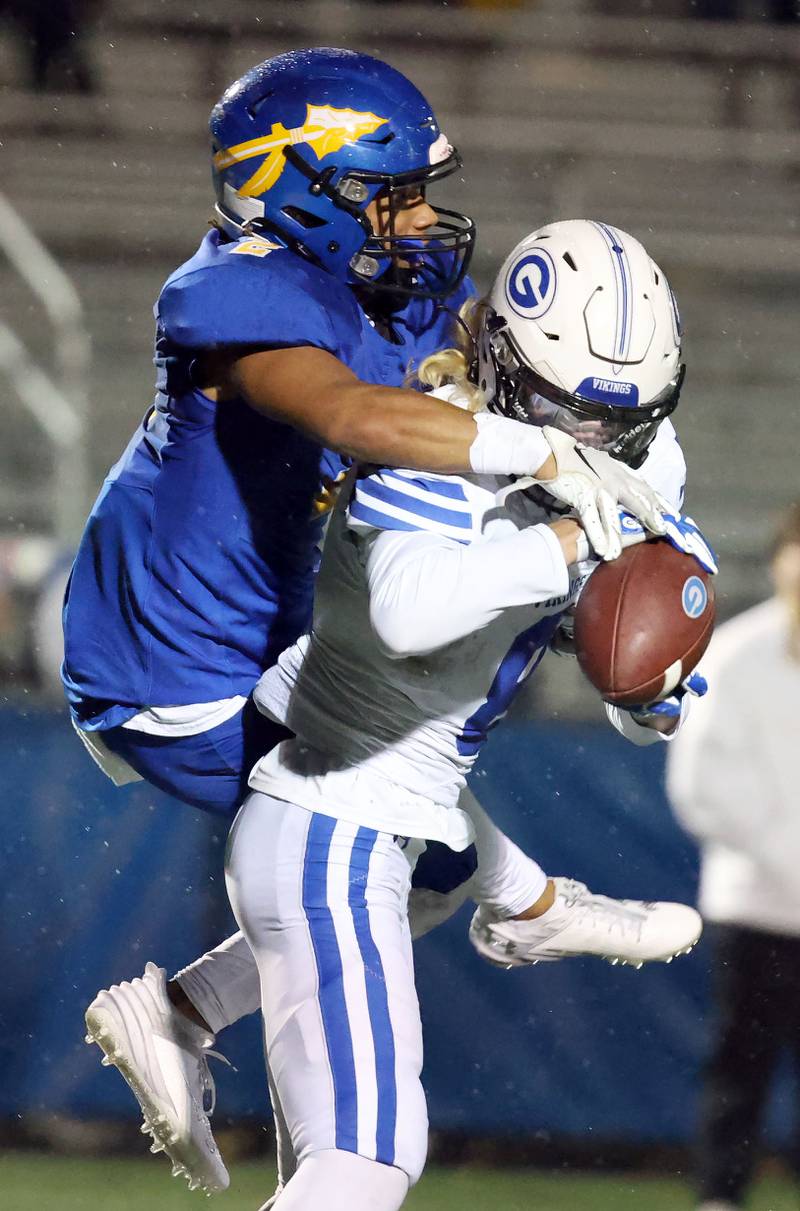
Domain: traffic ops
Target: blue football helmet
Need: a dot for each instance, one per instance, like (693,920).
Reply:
(304,142)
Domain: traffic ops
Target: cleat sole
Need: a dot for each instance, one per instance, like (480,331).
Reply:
(156,1123)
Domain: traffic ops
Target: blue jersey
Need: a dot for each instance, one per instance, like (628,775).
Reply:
(197,564)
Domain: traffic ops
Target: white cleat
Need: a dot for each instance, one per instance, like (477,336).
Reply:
(630,932)
(164,1059)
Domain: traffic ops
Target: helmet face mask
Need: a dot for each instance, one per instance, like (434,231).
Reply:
(429,264)
(581,332)
(524,395)
(328,131)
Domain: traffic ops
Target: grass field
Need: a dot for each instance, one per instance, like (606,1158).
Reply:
(29,1182)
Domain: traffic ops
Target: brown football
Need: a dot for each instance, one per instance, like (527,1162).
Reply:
(642,623)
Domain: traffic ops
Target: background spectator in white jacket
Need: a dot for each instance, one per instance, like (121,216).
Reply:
(734,780)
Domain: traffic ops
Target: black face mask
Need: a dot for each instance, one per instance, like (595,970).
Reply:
(430,265)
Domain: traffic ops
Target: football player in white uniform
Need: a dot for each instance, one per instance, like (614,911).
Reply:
(437,598)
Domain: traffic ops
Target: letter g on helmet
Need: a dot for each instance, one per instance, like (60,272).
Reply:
(302,144)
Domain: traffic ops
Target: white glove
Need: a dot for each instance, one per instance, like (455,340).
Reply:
(593,484)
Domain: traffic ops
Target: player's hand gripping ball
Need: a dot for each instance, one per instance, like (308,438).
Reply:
(642,623)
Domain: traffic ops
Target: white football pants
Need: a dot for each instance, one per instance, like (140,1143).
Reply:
(223,984)
(322,904)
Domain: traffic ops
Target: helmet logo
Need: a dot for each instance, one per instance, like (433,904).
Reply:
(255,246)
(531,284)
(325,130)
(694,597)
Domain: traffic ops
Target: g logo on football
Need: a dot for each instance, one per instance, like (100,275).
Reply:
(531,284)
(694,597)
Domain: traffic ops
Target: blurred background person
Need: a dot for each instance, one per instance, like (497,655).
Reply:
(734,780)
(54,37)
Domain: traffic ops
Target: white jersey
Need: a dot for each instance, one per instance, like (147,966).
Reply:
(436,600)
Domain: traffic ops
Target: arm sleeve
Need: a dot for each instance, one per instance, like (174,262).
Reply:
(427,590)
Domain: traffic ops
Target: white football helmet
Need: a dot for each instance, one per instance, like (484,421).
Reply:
(582,333)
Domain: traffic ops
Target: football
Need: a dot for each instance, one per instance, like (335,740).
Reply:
(642,623)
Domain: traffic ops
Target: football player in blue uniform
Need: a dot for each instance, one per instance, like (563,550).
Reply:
(280,349)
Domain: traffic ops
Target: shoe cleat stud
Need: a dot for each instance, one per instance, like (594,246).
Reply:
(106,1062)
(156,1147)
(89,1038)
(639,966)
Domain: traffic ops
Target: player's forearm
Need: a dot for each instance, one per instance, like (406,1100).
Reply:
(314,392)
(397,427)
(402,428)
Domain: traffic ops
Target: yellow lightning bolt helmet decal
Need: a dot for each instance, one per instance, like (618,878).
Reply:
(325,130)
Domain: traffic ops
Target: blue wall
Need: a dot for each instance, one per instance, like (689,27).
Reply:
(96,881)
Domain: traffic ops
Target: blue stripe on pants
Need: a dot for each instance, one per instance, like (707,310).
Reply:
(333,1007)
(377,998)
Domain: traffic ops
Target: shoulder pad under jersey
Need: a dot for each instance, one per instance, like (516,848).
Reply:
(254,292)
